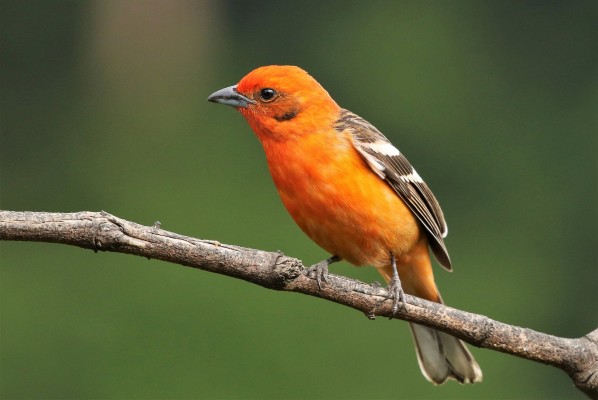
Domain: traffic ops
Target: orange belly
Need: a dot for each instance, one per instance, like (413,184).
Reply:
(339,202)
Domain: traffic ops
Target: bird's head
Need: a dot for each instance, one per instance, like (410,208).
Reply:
(280,102)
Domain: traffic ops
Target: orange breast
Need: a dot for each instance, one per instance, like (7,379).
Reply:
(337,200)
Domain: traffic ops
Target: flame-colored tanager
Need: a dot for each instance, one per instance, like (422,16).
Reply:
(353,193)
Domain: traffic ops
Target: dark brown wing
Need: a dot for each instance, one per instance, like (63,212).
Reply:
(392,166)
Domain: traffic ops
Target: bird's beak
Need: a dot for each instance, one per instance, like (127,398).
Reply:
(230,97)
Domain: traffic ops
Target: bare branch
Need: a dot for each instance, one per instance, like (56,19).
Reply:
(101,231)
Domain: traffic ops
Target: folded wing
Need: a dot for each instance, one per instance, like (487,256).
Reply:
(392,166)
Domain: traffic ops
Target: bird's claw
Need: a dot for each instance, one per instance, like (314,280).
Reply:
(396,293)
(320,270)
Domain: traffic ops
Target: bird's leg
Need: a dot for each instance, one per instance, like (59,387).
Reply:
(394,288)
(321,270)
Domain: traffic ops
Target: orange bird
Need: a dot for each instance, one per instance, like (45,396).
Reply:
(353,193)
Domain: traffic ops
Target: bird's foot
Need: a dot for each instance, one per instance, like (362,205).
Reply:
(320,270)
(395,292)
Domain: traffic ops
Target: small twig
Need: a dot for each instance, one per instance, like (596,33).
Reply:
(101,231)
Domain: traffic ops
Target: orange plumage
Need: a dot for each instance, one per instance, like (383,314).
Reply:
(351,192)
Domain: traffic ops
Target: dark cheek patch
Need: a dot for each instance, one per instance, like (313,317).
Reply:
(286,116)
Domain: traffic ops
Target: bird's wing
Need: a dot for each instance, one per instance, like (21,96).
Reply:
(392,166)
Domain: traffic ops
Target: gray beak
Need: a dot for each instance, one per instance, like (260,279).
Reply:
(230,97)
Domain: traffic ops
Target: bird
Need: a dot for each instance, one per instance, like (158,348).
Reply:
(355,195)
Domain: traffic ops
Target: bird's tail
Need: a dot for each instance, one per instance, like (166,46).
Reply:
(440,355)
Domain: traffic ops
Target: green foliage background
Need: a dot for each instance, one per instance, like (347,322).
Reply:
(103,108)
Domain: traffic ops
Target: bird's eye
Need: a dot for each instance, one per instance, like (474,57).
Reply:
(267,94)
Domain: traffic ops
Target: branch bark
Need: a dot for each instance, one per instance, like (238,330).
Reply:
(100,231)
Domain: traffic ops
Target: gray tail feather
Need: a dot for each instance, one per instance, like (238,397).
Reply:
(443,357)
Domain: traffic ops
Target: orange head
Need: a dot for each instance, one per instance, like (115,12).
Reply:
(280,102)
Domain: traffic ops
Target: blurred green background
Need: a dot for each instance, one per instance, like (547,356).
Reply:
(103,107)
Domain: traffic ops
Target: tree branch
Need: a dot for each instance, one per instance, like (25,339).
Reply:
(100,231)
